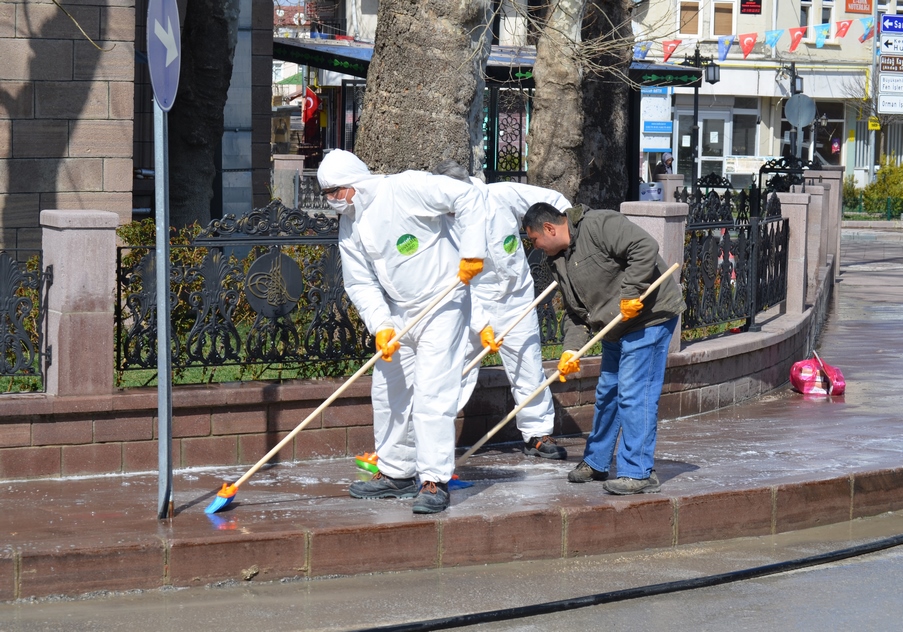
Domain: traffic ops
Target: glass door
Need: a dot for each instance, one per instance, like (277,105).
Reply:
(713,141)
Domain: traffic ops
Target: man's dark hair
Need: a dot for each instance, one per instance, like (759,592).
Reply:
(539,214)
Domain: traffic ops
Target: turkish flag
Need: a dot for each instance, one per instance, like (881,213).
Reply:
(747,41)
(796,36)
(668,47)
(842,27)
(310,106)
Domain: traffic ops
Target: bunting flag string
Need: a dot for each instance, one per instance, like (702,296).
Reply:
(668,47)
(821,32)
(796,36)
(772,37)
(747,41)
(868,27)
(724,46)
(842,27)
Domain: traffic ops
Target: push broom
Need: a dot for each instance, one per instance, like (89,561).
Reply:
(367,460)
(227,493)
(585,349)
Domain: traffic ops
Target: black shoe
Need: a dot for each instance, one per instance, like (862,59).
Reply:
(382,486)
(545,447)
(433,498)
(584,473)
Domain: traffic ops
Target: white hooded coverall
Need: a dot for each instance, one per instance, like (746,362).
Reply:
(504,292)
(397,256)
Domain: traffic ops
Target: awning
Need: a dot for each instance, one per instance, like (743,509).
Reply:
(296,79)
(505,63)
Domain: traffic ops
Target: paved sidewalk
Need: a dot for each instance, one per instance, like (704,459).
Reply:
(780,463)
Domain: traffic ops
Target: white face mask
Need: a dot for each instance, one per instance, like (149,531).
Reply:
(340,206)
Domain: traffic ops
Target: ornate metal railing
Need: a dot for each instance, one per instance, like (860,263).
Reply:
(735,259)
(265,289)
(24,355)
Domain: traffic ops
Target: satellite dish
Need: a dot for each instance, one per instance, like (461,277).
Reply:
(799,110)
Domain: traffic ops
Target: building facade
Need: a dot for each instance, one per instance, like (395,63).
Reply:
(767,51)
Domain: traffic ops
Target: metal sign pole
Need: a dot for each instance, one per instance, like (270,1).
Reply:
(164,48)
(164,349)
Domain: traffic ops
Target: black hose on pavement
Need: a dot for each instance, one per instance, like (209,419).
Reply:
(550,607)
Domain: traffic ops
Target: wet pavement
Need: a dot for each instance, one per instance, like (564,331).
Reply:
(779,463)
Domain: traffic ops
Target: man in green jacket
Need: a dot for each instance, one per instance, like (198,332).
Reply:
(603,263)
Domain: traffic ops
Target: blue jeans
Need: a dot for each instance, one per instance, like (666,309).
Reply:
(627,396)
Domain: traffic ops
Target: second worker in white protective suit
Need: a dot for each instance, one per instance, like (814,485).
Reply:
(397,256)
(505,291)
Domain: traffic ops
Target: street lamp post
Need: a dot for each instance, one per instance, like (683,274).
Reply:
(796,87)
(712,75)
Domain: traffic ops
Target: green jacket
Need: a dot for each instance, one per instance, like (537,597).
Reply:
(610,258)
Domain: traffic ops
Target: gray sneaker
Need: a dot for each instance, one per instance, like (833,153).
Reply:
(382,486)
(433,498)
(624,485)
(584,473)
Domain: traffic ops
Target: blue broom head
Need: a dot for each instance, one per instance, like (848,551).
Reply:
(457,483)
(222,499)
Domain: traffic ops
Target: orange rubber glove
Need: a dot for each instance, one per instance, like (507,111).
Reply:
(487,337)
(566,365)
(468,269)
(631,307)
(383,337)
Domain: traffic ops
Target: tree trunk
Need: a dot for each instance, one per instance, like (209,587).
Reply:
(604,181)
(556,128)
(424,95)
(209,36)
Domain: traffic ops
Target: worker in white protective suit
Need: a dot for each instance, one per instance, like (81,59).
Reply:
(505,291)
(397,256)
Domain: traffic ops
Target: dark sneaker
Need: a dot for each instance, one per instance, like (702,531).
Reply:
(382,486)
(433,498)
(584,473)
(544,447)
(624,486)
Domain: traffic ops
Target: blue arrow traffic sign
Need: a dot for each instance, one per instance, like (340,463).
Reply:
(892,24)
(164,50)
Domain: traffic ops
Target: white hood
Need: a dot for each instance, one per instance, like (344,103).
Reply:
(340,168)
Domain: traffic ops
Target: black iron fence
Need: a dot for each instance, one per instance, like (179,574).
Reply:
(262,291)
(735,253)
(265,290)
(24,355)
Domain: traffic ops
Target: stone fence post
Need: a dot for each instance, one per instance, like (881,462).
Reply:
(81,247)
(816,254)
(670,183)
(795,207)
(832,176)
(667,222)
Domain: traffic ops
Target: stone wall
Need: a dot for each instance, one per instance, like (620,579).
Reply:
(65,112)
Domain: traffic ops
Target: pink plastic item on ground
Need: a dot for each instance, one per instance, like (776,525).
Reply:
(814,377)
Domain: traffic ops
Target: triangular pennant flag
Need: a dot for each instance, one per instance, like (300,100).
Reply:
(640,49)
(772,37)
(796,36)
(867,28)
(668,47)
(724,46)
(842,27)
(821,34)
(747,41)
